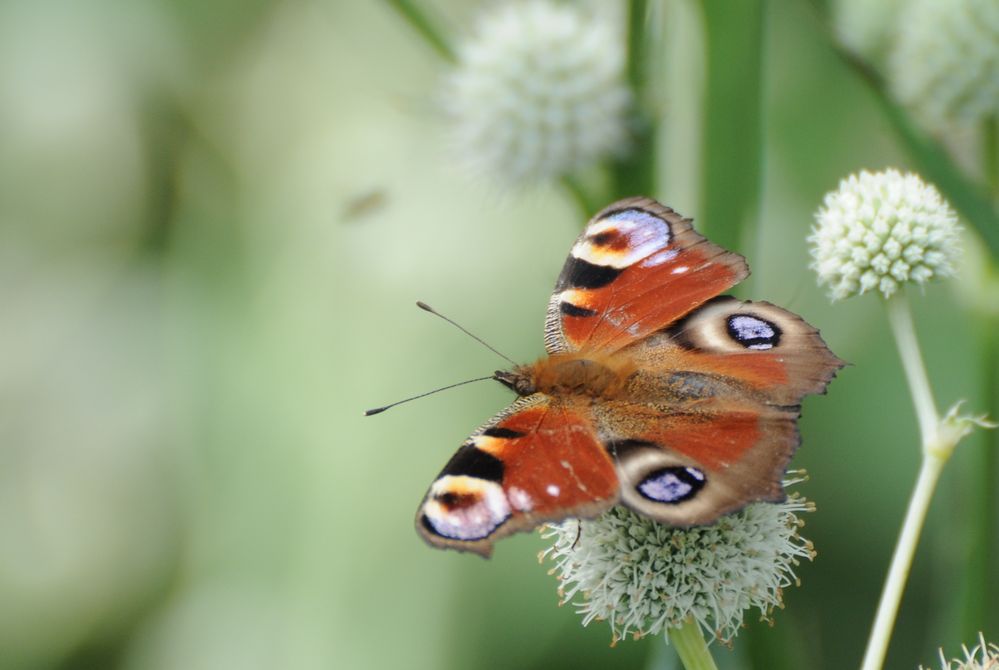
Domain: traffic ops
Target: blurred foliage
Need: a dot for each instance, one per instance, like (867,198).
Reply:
(214,220)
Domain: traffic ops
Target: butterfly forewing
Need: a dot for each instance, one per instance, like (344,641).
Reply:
(537,461)
(637,267)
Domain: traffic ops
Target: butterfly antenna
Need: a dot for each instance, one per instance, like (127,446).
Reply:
(379,410)
(427,308)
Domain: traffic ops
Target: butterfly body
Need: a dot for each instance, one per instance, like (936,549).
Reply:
(656,393)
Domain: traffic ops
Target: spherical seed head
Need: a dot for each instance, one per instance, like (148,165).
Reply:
(538,91)
(643,577)
(879,231)
(945,62)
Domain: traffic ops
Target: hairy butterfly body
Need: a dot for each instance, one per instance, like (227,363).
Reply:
(656,393)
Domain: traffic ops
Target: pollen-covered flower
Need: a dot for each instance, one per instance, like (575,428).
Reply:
(880,230)
(981,657)
(643,577)
(945,63)
(539,91)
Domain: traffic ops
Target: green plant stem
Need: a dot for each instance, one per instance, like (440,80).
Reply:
(900,317)
(427,27)
(733,128)
(635,174)
(901,562)
(991,158)
(688,640)
(934,454)
(983,506)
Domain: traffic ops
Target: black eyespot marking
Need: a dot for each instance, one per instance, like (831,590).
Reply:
(578,273)
(672,485)
(753,332)
(473,462)
(569,309)
(504,433)
(679,333)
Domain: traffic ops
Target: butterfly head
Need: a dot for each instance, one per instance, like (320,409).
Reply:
(520,380)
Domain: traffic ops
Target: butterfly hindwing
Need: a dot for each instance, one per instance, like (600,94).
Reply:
(637,267)
(711,415)
(537,461)
(696,464)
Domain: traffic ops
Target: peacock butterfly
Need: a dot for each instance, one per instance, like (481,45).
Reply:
(657,393)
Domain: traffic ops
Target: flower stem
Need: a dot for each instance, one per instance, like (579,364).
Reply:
(935,455)
(688,640)
(901,562)
(635,174)
(427,27)
(900,318)
(733,151)
(983,511)
(991,158)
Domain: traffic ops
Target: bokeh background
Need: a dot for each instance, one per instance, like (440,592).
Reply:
(214,221)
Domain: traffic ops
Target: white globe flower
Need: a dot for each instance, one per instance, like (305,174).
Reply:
(643,577)
(880,230)
(538,92)
(945,63)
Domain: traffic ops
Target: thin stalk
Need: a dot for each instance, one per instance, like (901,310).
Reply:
(733,142)
(982,510)
(991,158)
(688,640)
(900,318)
(635,174)
(983,506)
(901,562)
(935,456)
(426,26)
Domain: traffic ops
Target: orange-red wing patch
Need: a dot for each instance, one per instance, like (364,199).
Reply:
(637,268)
(539,462)
(644,299)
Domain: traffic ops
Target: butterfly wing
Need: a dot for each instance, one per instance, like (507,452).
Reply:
(709,423)
(637,267)
(537,461)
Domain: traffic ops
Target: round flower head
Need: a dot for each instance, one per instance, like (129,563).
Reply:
(981,657)
(644,577)
(945,63)
(879,230)
(538,91)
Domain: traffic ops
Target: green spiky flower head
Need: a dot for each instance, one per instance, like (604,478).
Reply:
(644,578)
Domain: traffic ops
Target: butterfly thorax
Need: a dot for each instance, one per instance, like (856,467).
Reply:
(570,374)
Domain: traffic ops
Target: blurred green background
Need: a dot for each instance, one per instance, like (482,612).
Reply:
(214,221)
